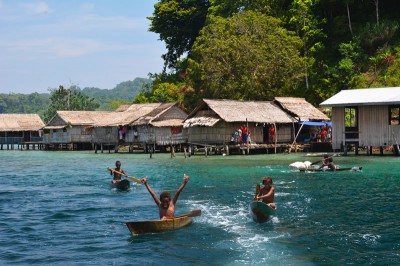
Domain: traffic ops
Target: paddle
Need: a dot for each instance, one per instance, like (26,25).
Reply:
(130,177)
(321,160)
(258,188)
(190,214)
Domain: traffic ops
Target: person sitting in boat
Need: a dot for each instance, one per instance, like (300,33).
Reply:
(164,203)
(116,172)
(327,162)
(267,193)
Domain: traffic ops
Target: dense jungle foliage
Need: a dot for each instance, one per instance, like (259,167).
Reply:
(259,49)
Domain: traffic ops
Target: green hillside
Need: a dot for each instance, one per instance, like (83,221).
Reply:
(38,103)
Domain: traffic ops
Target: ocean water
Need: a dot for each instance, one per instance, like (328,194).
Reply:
(57,208)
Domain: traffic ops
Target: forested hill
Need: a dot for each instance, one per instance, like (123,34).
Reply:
(126,90)
(37,103)
(260,49)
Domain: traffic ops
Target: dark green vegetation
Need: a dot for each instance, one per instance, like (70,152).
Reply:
(255,50)
(72,98)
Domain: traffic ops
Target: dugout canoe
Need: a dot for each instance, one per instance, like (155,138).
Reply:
(123,184)
(349,169)
(157,226)
(261,212)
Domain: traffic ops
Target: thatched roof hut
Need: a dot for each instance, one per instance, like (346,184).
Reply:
(300,109)
(164,115)
(210,112)
(127,114)
(79,118)
(20,122)
(214,121)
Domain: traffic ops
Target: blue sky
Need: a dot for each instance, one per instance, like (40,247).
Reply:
(88,43)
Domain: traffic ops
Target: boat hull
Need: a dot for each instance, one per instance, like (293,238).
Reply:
(352,169)
(261,212)
(157,226)
(121,185)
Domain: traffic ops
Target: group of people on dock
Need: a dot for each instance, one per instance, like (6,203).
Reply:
(321,134)
(241,136)
(166,206)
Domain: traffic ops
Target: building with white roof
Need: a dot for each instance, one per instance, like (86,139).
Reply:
(365,117)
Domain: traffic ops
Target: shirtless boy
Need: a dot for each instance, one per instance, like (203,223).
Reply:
(267,193)
(117,176)
(164,203)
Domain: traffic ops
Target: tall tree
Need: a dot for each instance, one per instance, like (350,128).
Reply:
(70,99)
(178,23)
(248,56)
(307,27)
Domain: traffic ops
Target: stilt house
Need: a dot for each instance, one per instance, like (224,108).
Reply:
(310,119)
(74,128)
(20,128)
(156,124)
(163,126)
(215,121)
(365,117)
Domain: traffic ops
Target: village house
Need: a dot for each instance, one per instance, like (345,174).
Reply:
(310,122)
(365,118)
(72,129)
(20,129)
(215,122)
(162,127)
(158,124)
(150,125)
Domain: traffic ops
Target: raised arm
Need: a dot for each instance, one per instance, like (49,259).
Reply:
(185,180)
(144,181)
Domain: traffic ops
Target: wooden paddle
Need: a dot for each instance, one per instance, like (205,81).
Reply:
(258,188)
(130,177)
(190,214)
(321,160)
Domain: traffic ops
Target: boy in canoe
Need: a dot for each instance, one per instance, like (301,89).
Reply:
(117,172)
(164,203)
(267,193)
(328,162)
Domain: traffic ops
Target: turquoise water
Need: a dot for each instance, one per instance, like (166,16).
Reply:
(57,208)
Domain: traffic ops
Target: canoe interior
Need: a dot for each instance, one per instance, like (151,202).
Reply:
(261,212)
(156,226)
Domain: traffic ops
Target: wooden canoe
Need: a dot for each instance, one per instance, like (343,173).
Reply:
(350,169)
(123,184)
(261,212)
(157,226)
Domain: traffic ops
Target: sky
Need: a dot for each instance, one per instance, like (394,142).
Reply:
(87,43)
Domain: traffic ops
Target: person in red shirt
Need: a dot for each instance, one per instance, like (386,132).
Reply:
(271,134)
(244,133)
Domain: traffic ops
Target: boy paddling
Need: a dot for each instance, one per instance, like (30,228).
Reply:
(116,172)
(267,193)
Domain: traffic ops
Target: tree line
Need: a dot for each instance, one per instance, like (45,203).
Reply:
(259,49)
(72,98)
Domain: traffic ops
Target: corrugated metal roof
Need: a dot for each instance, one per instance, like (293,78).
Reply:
(376,96)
